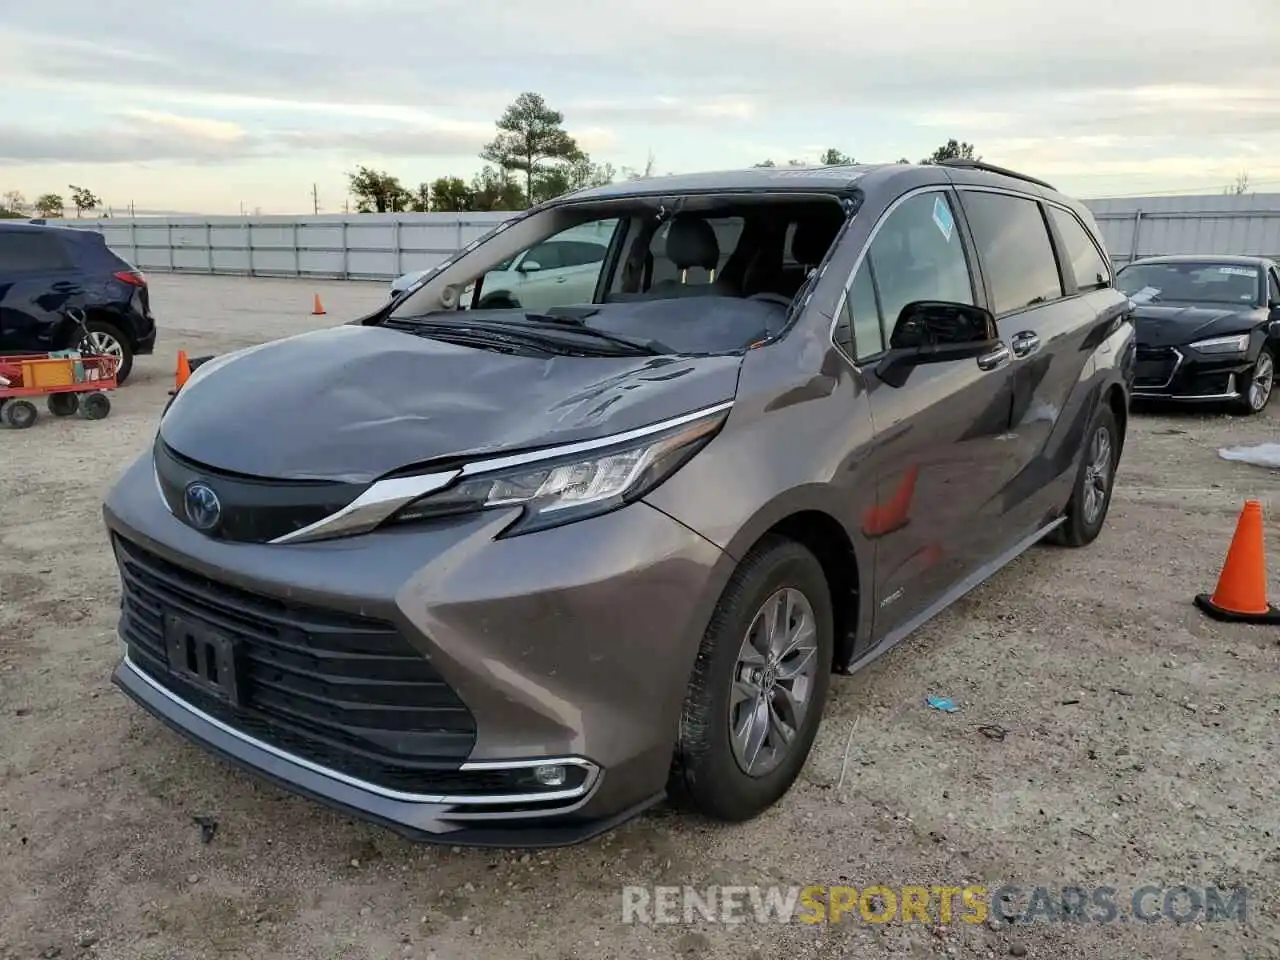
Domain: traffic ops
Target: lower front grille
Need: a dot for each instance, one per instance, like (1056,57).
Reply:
(1155,366)
(349,693)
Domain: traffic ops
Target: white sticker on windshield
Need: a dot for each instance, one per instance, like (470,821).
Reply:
(942,217)
(1144,295)
(1237,271)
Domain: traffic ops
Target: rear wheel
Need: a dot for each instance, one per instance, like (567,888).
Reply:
(105,339)
(759,685)
(1091,496)
(1260,384)
(19,414)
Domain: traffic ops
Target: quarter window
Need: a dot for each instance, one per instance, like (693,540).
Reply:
(917,254)
(860,329)
(1017,255)
(1087,264)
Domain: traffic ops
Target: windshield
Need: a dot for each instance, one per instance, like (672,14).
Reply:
(701,256)
(1209,282)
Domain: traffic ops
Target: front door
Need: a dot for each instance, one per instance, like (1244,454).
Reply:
(939,455)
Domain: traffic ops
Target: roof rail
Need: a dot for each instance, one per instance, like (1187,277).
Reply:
(992,168)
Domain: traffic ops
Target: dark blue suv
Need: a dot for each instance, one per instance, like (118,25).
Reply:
(47,271)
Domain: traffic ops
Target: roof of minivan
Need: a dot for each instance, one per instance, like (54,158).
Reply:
(819,179)
(1230,259)
(753,178)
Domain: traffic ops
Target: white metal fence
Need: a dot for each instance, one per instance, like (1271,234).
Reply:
(383,246)
(348,247)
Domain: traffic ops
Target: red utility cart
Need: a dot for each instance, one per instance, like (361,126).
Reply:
(73,383)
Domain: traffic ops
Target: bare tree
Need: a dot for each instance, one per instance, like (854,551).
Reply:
(1241,186)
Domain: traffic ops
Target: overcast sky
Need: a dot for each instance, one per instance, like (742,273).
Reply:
(205,106)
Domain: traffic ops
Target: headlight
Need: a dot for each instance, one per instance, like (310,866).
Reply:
(1234,344)
(569,486)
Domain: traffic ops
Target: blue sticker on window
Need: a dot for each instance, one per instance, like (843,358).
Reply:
(942,217)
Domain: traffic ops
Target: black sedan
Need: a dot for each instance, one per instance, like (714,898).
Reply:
(1208,328)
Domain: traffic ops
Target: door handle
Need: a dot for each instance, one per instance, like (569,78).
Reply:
(1025,343)
(997,357)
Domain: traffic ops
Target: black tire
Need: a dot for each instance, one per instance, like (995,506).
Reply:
(706,775)
(63,404)
(100,329)
(1246,405)
(498,300)
(19,414)
(95,406)
(1080,527)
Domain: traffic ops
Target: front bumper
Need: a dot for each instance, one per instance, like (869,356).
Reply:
(569,647)
(1181,374)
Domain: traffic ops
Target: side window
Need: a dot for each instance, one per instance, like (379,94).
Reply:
(1017,255)
(578,253)
(1087,264)
(860,329)
(1273,286)
(28,251)
(917,254)
(547,256)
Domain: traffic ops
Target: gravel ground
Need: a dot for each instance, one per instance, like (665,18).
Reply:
(1141,745)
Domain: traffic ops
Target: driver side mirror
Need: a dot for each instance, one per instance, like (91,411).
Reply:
(936,331)
(529,266)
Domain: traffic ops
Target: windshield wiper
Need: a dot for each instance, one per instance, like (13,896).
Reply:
(576,320)
(477,333)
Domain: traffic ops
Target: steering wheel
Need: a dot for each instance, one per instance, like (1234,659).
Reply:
(772,298)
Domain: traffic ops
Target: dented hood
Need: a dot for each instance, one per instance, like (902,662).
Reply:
(353,403)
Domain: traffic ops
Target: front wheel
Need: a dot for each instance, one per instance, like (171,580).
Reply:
(19,414)
(1091,496)
(1259,384)
(759,685)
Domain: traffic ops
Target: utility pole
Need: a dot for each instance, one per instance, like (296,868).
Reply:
(315,199)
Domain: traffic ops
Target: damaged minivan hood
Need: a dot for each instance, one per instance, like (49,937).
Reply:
(353,403)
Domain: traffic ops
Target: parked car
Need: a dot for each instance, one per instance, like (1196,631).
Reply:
(1208,328)
(563,269)
(47,270)
(510,576)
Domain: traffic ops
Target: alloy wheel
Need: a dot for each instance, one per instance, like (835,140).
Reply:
(1097,475)
(773,682)
(1260,385)
(102,344)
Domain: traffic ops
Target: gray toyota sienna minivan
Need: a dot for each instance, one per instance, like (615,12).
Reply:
(495,572)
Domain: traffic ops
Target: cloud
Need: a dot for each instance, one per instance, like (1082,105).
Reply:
(135,136)
(1131,89)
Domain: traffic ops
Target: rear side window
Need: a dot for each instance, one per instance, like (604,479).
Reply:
(1273,286)
(1088,266)
(31,251)
(1015,249)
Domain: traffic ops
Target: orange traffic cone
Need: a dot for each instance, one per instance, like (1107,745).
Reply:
(318,309)
(183,372)
(1241,595)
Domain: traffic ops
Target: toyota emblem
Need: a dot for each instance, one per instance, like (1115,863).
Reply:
(203,507)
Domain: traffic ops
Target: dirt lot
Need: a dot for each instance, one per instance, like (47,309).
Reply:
(1143,745)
